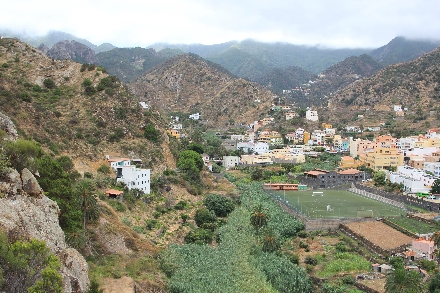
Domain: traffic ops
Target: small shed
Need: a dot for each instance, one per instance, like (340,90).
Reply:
(113,193)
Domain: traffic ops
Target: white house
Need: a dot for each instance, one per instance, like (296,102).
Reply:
(143,105)
(132,176)
(255,147)
(230,161)
(312,115)
(413,180)
(397,108)
(195,116)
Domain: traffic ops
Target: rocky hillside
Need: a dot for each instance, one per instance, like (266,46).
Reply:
(415,85)
(188,84)
(70,50)
(400,50)
(285,79)
(28,214)
(53,37)
(75,109)
(130,63)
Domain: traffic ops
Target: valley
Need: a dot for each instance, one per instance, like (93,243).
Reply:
(210,134)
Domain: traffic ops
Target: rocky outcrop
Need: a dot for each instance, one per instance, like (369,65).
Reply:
(8,126)
(74,51)
(26,213)
(43,48)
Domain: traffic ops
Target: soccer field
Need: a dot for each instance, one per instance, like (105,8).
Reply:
(336,204)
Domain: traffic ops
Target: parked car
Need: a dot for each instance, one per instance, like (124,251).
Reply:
(432,197)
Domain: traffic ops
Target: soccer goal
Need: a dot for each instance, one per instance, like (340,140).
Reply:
(317,193)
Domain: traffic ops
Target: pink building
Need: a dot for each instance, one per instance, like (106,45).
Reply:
(425,246)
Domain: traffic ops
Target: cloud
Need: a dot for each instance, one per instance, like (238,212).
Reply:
(129,23)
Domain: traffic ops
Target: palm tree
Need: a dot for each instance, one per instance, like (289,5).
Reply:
(259,218)
(436,239)
(85,195)
(401,280)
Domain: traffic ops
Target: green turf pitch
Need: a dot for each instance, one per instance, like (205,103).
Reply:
(336,204)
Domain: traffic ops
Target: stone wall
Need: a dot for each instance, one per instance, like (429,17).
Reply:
(331,179)
(407,199)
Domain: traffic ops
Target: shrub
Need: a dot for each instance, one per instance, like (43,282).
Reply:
(221,205)
(49,83)
(294,258)
(203,215)
(184,217)
(199,236)
(89,90)
(151,133)
(88,175)
(302,234)
(150,224)
(86,82)
(303,245)
(104,169)
(348,279)
(180,205)
(310,260)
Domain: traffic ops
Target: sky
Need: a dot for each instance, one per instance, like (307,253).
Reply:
(140,23)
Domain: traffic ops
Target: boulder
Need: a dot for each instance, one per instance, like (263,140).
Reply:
(30,184)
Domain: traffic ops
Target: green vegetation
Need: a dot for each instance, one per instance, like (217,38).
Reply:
(243,261)
(402,280)
(28,266)
(342,204)
(436,187)
(414,225)
(344,262)
(221,205)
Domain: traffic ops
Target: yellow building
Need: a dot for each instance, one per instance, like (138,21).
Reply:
(174,132)
(306,137)
(380,158)
(326,125)
(427,142)
(348,162)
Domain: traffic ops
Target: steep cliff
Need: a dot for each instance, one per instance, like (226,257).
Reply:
(26,213)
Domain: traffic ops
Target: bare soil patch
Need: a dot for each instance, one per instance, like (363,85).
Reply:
(380,234)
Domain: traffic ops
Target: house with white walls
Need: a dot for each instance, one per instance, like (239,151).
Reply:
(132,176)
(195,116)
(254,147)
(312,115)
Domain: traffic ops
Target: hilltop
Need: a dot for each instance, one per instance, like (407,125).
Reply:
(412,85)
(76,109)
(190,84)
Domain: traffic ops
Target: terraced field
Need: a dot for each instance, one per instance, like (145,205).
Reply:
(380,234)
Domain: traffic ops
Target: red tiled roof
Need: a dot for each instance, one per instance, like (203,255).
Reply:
(350,172)
(113,191)
(315,173)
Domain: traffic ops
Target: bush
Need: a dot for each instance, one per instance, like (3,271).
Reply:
(104,169)
(86,82)
(302,234)
(89,90)
(49,83)
(180,205)
(29,266)
(199,236)
(203,216)
(151,133)
(150,224)
(294,258)
(303,245)
(221,205)
(184,217)
(310,260)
